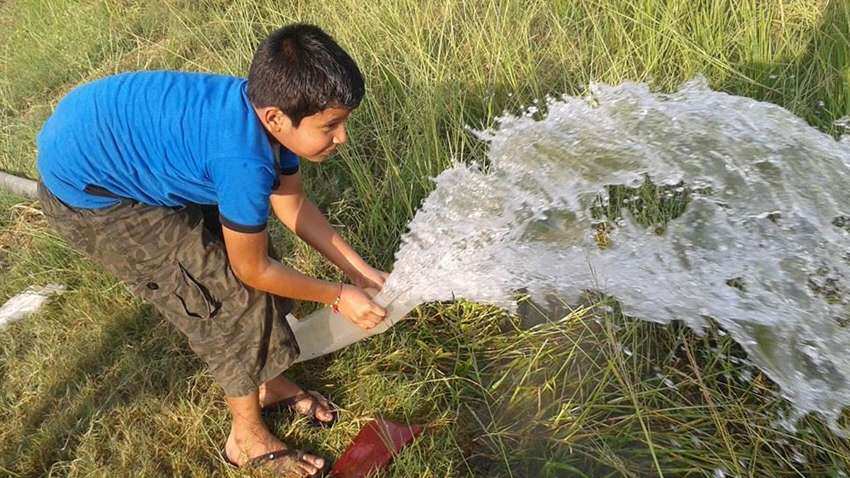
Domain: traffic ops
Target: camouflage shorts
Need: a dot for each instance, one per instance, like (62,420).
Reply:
(175,259)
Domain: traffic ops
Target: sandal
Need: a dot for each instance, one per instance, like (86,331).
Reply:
(293,456)
(316,400)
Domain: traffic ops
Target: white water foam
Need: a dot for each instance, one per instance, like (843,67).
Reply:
(772,215)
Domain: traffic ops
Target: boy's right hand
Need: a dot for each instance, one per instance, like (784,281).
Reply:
(356,305)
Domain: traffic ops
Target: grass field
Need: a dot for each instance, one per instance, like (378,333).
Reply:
(98,385)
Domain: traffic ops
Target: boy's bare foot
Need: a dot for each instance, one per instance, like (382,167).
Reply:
(280,389)
(250,440)
(257,447)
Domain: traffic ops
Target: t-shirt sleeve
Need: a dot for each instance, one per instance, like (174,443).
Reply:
(288,162)
(242,188)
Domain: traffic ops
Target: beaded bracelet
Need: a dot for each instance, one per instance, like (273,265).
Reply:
(335,305)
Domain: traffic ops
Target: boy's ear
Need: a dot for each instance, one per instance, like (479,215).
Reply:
(274,119)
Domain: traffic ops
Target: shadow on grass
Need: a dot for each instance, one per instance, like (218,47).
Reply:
(121,366)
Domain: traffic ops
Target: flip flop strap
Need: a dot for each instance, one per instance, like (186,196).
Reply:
(315,401)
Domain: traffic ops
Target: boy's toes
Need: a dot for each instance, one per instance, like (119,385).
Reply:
(323,412)
(308,469)
(311,464)
(312,404)
(317,462)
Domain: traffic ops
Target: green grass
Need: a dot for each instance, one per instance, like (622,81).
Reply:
(98,385)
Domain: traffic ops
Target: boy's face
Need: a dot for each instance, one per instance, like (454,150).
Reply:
(316,137)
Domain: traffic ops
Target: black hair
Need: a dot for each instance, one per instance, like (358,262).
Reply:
(301,70)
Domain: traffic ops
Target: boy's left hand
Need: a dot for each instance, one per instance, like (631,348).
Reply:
(369,278)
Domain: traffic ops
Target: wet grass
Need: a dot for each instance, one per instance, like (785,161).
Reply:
(97,385)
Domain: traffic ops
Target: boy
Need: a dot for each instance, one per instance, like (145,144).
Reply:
(167,178)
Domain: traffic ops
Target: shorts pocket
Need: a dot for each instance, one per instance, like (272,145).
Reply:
(176,291)
(197,296)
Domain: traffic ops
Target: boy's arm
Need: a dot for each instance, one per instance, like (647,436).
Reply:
(249,260)
(299,214)
(251,264)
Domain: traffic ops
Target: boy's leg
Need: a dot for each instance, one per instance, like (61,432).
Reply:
(278,388)
(250,438)
(165,258)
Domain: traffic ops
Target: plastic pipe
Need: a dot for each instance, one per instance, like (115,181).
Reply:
(17,185)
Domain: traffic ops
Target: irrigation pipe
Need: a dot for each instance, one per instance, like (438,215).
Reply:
(17,185)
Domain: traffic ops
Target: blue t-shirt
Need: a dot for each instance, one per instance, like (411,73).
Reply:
(163,138)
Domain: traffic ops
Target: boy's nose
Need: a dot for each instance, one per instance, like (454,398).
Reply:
(340,137)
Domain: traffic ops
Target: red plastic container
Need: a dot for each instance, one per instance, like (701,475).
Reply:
(373,448)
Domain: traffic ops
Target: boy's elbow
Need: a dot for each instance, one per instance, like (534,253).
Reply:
(250,274)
